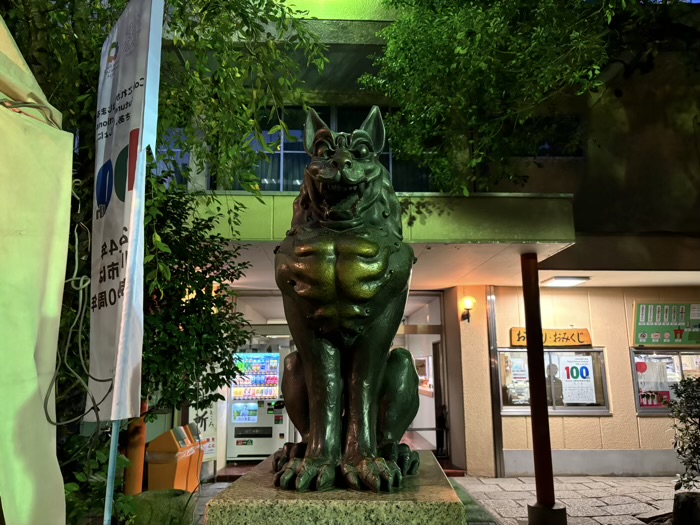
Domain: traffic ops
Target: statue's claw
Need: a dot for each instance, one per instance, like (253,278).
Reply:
(287,474)
(408,460)
(373,473)
(307,474)
(288,452)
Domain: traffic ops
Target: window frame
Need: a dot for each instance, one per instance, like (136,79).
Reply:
(386,157)
(673,351)
(603,411)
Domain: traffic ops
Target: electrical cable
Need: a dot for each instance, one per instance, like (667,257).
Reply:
(81,285)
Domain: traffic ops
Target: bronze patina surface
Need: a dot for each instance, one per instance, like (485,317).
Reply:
(344,270)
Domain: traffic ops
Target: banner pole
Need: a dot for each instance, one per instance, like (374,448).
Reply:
(111,473)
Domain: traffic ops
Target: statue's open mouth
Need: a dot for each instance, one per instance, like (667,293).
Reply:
(325,187)
(341,197)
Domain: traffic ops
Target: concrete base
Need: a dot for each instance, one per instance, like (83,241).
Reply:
(424,499)
(538,515)
(519,463)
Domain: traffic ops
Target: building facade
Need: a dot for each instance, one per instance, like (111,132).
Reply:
(624,215)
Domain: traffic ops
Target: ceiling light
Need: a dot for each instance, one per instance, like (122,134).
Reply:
(565,282)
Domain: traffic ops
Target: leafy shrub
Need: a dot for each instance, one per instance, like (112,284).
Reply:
(86,480)
(685,410)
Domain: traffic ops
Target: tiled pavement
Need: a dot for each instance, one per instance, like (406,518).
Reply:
(588,500)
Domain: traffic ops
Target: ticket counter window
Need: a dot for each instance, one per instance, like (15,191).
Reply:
(575,383)
(656,372)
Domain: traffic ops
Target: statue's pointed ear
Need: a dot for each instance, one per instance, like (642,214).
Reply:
(374,126)
(313,124)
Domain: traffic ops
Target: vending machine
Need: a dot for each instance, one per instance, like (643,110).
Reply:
(257,421)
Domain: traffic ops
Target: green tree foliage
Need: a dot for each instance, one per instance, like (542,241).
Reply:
(227,67)
(473,80)
(685,410)
(190,323)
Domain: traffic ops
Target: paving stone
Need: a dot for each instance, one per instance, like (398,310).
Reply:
(518,488)
(631,482)
(619,500)
(510,495)
(468,480)
(513,512)
(635,508)
(499,481)
(572,479)
(618,520)
(633,489)
(647,516)
(602,478)
(482,488)
(502,503)
(569,494)
(580,501)
(528,480)
(597,485)
(658,478)
(642,497)
(662,506)
(597,493)
(585,511)
(569,486)
(580,521)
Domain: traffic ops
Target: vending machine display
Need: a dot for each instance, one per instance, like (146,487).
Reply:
(260,379)
(257,421)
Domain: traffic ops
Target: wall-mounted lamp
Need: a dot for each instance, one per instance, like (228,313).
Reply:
(468,304)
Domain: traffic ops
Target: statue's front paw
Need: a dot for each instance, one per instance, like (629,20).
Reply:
(408,460)
(307,474)
(373,473)
(288,452)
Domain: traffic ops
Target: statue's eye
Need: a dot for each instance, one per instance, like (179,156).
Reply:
(323,150)
(362,152)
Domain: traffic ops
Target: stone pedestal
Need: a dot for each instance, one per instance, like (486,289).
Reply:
(424,499)
(538,515)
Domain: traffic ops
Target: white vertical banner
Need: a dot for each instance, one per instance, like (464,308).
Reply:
(206,419)
(125,124)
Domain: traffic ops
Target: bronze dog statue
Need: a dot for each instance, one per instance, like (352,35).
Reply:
(344,273)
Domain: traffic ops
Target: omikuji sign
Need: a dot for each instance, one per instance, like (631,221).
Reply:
(553,337)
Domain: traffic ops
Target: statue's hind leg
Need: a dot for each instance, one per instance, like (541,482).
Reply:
(397,407)
(296,399)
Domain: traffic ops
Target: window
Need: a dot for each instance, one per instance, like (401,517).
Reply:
(656,371)
(284,169)
(173,161)
(576,383)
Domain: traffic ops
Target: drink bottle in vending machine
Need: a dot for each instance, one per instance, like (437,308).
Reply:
(257,422)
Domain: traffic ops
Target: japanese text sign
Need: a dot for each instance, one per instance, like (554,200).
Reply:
(553,337)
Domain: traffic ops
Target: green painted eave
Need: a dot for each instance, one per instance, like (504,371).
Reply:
(430,218)
(345,9)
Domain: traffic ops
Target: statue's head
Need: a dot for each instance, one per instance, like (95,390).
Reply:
(344,176)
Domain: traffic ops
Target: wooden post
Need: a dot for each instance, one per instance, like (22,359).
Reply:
(136,454)
(541,513)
